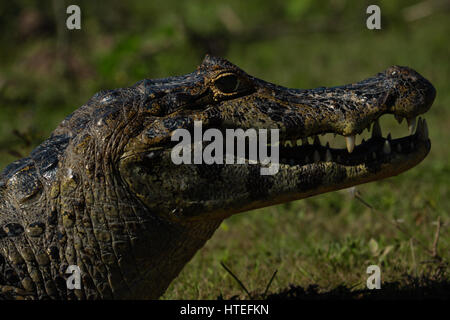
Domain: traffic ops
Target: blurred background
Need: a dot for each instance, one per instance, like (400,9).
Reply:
(47,71)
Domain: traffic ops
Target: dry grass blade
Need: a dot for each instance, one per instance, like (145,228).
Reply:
(237,279)
(270,282)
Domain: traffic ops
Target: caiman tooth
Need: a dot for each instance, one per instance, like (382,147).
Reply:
(316,156)
(419,127)
(317,141)
(411,124)
(398,118)
(287,143)
(350,141)
(422,129)
(376,130)
(387,147)
(425,128)
(328,156)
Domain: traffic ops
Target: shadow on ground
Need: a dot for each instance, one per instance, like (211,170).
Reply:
(410,288)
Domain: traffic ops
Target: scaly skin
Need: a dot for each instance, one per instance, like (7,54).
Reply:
(102,192)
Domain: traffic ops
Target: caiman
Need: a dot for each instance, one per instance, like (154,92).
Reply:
(101,193)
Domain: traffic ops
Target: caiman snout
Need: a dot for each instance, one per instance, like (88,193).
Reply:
(348,110)
(410,94)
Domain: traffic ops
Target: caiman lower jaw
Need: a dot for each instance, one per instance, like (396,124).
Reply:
(322,169)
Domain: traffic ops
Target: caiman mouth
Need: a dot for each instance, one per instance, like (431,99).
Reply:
(377,149)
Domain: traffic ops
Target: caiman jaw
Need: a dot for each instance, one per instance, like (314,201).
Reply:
(348,111)
(374,159)
(310,169)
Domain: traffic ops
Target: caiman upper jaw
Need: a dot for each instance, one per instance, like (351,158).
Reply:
(348,110)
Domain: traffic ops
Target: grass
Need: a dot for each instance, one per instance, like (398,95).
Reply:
(319,246)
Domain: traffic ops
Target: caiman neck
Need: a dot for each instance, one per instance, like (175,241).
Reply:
(139,251)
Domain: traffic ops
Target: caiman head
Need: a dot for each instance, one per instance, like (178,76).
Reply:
(222,96)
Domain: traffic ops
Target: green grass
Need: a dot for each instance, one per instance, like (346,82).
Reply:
(328,240)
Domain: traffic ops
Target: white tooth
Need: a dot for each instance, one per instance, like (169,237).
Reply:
(316,156)
(387,147)
(287,143)
(411,124)
(350,141)
(299,142)
(376,130)
(328,156)
(317,141)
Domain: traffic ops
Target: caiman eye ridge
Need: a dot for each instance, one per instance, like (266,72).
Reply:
(377,149)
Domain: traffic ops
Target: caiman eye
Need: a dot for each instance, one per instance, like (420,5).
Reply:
(227,83)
